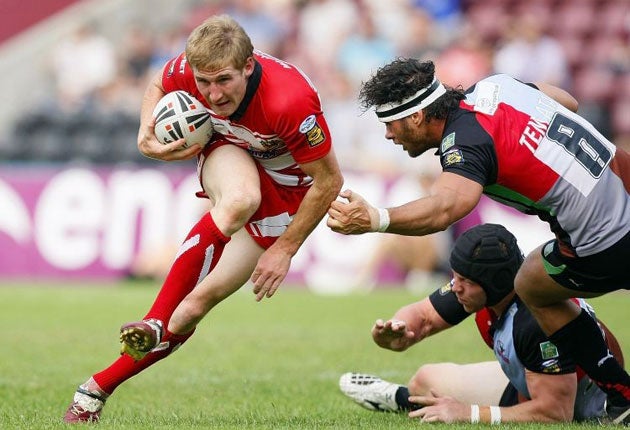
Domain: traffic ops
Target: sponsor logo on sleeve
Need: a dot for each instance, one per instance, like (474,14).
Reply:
(313,132)
(548,350)
(447,142)
(454,156)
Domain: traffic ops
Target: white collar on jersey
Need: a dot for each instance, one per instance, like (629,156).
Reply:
(396,110)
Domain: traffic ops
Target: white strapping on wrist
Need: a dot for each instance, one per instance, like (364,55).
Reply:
(495,415)
(383,219)
(474,414)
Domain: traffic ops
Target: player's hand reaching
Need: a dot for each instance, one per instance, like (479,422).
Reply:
(273,266)
(151,147)
(438,409)
(356,216)
(392,334)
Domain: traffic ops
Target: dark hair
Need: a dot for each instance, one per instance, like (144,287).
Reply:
(403,78)
(489,255)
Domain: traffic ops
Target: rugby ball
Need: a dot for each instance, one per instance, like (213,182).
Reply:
(179,115)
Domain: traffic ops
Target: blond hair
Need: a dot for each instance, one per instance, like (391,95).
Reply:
(218,42)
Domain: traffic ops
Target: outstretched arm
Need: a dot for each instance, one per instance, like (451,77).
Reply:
(409,325)
(451,198)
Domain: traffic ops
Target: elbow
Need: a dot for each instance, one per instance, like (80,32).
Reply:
(558,414)
(560,417)
(333,186)
(337,183)
(442,226)
(443,221)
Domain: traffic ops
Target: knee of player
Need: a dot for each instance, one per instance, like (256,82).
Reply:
(421,383)
(239,208)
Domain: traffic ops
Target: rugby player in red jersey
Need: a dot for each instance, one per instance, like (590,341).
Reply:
(269,172)
(521,144)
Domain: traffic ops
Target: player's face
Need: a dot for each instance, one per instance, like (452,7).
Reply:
(469,293)
(410,134)
(224,88)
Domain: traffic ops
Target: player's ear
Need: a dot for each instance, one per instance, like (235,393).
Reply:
(417,117)
(249,66)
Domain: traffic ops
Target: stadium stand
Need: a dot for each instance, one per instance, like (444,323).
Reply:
(101,127)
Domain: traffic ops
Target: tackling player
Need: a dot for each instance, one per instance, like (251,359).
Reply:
(530,381)
(270,174)
(523,145)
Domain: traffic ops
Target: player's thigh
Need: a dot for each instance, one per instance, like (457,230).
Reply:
(478,383)
(232,271)
(229,172)
(543,281)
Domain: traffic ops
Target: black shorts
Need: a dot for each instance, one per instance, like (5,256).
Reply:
(603,272)
(509,396)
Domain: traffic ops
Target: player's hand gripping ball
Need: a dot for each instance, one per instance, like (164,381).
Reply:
(178,115)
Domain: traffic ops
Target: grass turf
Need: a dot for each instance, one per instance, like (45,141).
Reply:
(268,365)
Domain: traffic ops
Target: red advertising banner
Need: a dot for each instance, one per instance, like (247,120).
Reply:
(79,222)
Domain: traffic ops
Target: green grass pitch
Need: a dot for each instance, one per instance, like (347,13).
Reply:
(268,365)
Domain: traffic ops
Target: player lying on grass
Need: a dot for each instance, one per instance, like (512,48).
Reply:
(531,380)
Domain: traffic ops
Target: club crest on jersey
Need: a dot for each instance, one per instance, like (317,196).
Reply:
(314,133)
(447,142)
(548,350)
(454,156)
(501,351)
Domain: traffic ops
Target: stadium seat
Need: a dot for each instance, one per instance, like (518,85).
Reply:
(575,18)
(616,18)
(489,19)
(594,83)
(621,117)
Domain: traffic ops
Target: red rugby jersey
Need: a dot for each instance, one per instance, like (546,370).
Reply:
(280,121)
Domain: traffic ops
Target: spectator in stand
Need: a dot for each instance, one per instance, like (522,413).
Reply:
(364,49)
(530,55)
(82,63)
(322,27)
(263,27)
(447,15)
(465,61)
(420,39)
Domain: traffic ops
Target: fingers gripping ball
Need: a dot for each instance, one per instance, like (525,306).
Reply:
(178,115)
